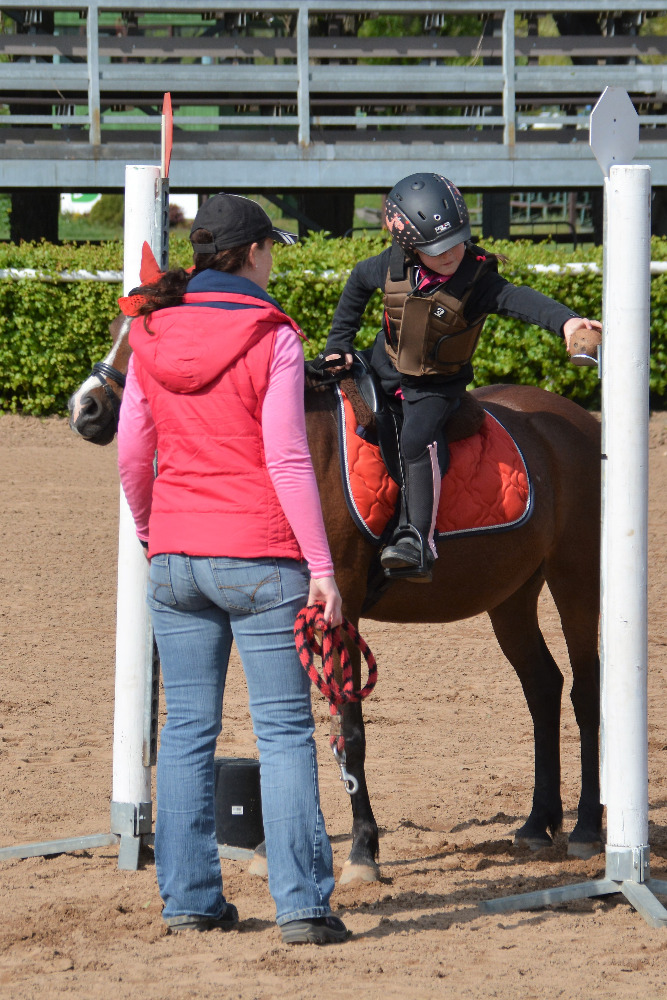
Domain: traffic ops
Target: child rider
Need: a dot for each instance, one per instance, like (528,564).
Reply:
(438,290)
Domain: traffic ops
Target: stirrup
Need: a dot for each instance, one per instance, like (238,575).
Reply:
(407,557)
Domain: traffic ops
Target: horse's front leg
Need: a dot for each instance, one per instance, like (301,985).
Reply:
(361,863)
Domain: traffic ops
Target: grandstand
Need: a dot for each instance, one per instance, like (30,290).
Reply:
(309,102)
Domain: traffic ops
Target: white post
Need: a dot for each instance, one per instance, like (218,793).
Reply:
(625,414)
(624,557)
(131,805)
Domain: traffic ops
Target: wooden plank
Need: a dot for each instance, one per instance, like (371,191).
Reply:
(626,46)
(441,47)
(134,47)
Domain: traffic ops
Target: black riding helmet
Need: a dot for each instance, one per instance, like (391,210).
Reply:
(426,212)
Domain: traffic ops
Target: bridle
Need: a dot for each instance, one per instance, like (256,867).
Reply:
(105,373)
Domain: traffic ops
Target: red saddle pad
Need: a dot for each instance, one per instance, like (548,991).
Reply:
(486,488)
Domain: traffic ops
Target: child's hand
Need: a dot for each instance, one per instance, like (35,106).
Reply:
(347,363)
(575,327)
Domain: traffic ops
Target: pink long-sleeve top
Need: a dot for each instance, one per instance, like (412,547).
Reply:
(285,446)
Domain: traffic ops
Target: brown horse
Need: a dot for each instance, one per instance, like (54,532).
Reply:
(500,573)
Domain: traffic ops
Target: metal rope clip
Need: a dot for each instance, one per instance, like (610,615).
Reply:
(349,781)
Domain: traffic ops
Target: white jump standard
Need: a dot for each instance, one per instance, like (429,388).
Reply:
(624,553)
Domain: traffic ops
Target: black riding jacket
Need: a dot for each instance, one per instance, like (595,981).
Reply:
(492,294)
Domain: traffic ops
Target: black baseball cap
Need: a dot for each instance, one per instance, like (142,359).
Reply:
(235,221)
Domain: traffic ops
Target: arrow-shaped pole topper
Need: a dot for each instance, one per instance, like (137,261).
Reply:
(167,134)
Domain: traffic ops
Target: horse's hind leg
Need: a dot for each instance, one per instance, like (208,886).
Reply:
(579,614)
(517,630)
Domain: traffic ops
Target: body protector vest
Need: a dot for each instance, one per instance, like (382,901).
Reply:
(426,332)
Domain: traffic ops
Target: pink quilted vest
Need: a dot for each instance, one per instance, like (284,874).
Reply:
(204,368)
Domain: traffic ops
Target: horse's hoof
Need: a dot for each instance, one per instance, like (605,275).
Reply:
(353,872)
(534,843)
(583,850)
(258,865)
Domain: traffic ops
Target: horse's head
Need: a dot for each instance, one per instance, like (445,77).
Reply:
(95,406)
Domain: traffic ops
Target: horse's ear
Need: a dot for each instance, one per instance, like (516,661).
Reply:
(149,271)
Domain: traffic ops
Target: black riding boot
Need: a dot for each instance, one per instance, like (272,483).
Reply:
(409,555)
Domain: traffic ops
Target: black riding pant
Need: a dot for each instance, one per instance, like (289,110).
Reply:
(424,417)
(428,402)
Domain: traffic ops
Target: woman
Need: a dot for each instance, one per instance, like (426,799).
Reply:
(215,386)
(438,290)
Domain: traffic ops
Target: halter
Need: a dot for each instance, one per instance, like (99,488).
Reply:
(102,372)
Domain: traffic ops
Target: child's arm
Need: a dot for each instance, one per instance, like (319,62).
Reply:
(501,297)
(366,278)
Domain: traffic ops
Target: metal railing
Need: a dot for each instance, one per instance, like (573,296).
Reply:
(499,87)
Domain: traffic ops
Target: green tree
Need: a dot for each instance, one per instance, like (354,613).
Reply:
(108,211)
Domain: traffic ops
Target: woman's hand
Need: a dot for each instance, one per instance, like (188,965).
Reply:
(576,325)
(325,590)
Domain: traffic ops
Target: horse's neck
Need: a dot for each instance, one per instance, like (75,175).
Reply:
(322,432)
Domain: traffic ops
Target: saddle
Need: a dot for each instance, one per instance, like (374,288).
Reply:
(486,488)
(380,417)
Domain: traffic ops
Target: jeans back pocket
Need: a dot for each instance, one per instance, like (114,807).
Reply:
(247,586)
(160,590)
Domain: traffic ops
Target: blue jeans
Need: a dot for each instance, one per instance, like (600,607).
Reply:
(198,606)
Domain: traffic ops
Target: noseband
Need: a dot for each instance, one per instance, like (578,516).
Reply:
(103,372)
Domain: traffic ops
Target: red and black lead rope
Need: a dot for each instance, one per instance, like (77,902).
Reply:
(309,622)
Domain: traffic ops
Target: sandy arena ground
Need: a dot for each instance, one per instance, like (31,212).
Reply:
(450,771)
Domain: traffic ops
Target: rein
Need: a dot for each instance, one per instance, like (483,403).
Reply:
(309,621)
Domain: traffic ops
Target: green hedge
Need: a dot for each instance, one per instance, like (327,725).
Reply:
(53,331)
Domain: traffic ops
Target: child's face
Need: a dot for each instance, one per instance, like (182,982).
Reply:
(445,263)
